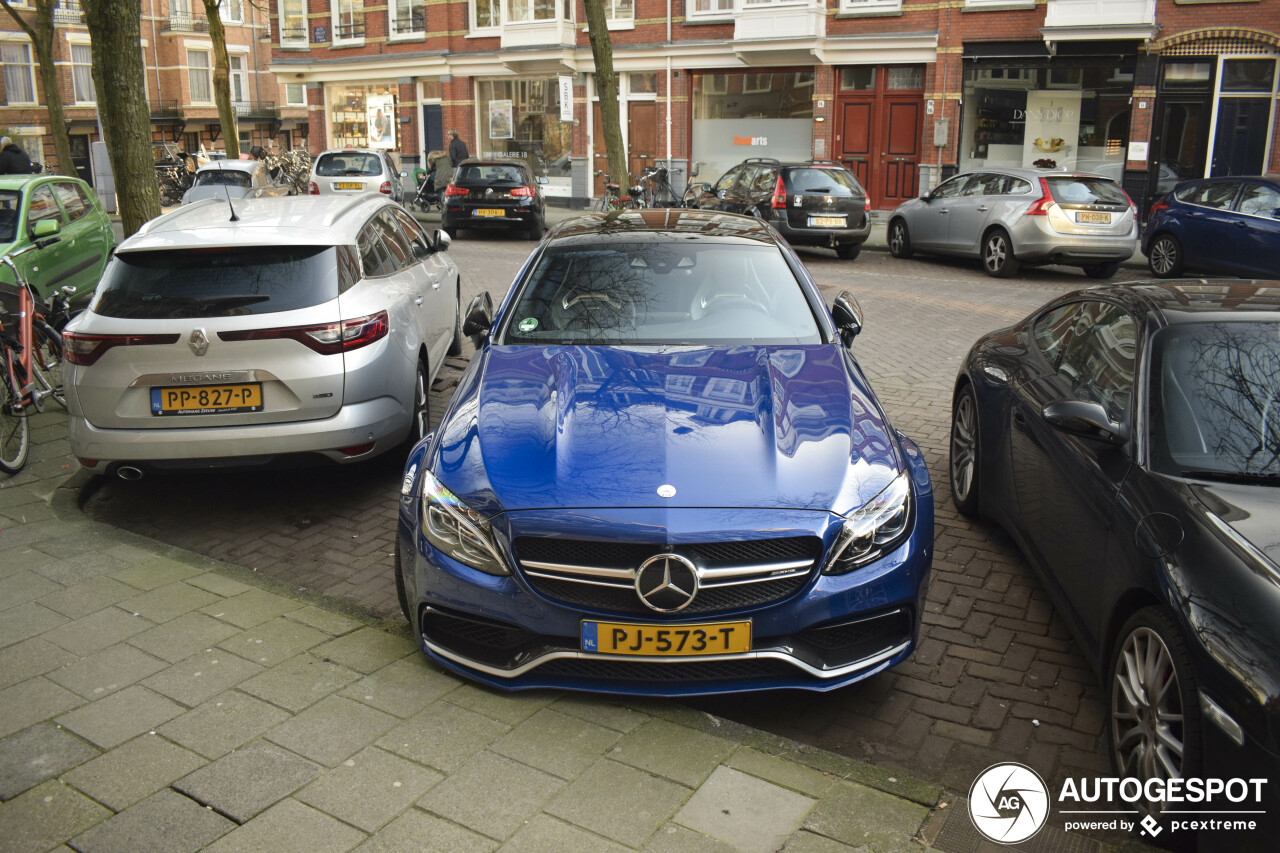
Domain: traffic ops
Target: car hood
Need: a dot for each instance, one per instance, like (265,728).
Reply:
(594,427)
(1251,511)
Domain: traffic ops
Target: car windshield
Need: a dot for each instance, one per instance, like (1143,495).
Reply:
(1215,395)
(217,282)
(662,292)
(348,163)
(1079,189)
(223,178)
(483,173)
(825,180)
(10,202)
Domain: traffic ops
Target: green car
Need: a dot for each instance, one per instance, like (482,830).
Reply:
(87,239)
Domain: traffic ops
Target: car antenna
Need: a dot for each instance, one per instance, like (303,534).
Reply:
(227,193)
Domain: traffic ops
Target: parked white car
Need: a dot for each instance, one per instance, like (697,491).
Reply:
(304,326)
(352,171)
(235,179)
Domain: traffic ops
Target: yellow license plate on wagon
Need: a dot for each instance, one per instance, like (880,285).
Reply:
(623,638)
(1098,218)
(348,185)
(489,211)
(826,221)
(207,399)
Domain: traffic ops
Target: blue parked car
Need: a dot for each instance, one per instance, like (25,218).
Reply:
(1222,225)
(665,474)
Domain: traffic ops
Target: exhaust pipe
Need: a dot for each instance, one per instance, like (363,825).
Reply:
(129,472)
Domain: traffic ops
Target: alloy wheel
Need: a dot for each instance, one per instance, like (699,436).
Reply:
(1164,256)
(1147,722)
(964,457)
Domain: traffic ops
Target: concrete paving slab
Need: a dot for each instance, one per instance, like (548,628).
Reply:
(107,671)
(98,630)
(619,802)
(248,781)
(674,838)
(559,744)
(299,682)
(169,601)
(749,813)
(29,702)
(165,822)
(26,621)
(599,710)
(779,771)
(121,716)
(326,620)
(41,752)
(404,687)
(46,816)
(218,584)
(509,708)
(290,827)
(442,736)
(73,569)
(366,650)
(424,833)
(332,730)
(226,722)
(30,658)
(80,600)
(24,586)
(202,676)
(857,815)
(133,771)
(155,572)
(545,834)
(676,752)
(250,608)
(491,795)
(183,637)
(807,842)
(369,788)
(274,641)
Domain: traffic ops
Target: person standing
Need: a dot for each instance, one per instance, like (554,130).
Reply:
(13,160)
(457,148)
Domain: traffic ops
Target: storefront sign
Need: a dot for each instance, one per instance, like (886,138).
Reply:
(566,97)
(1138,151)
(1052,129)
(754,141)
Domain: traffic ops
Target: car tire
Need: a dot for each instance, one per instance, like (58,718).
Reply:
(420,423)
(451,231)
(455,346)
(899,239)
(401,592)
(1102,271)
(1153,700)
(848,251)
(965,449)
(1164,256)
(997,255)
(534,232)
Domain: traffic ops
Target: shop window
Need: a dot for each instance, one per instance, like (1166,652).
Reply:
(19,72)
(1248,75)
(856,79)
(407,18)
(1183,74)
(199,76)
(82,74)
(521,119)
(486,14)
(348,21)
(709,8)
(754,84)
(362,116)
(33,145)
(293,23)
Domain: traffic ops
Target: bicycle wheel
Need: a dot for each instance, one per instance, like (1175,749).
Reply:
(47,358)
(15,431)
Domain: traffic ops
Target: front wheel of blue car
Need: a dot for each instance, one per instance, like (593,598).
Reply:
(401,591)
(964,451)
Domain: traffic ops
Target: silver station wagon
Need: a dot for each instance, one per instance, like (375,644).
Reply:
(300,326)
(1012,218)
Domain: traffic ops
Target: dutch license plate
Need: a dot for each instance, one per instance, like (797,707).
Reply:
(826,221)
(621,638)
(348,185)
(1099,218)
(207,399)
(489,211)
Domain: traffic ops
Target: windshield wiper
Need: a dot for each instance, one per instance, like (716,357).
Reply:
(1234,477)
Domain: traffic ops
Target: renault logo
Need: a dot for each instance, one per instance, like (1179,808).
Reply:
(667,583)
(198,342)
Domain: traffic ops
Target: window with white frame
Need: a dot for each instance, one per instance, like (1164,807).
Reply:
(348,20)
(620,10)
(199,76)
(407,17)
(82,74)
(19,72)
(979,3)
(529,11)
(486,14)
(870,5)
(293,23)
(709,8)
(238,79)
(295,94)
(231,11)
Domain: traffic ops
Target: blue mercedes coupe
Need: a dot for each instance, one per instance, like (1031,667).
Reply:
(664,473)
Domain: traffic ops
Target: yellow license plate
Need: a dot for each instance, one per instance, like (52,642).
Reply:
(348,185)
(621,638)
(207,399)
(1101,218)
(826,221)
(489,211)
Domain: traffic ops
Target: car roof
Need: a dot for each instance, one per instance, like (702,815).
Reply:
(17,182)
(352,151)
(1196,300)
(232,166)
(663,223)
(289,221)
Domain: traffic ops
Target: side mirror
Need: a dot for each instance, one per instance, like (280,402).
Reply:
(1085,419)
(543,179)
(441,240)
(45,228)
(403,174)
(848,316)
(697,167)
(720,194)
(479,318)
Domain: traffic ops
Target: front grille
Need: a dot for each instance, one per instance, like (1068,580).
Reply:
(629,555)
(485,640)
(636,672)
(710,599)
(854,640)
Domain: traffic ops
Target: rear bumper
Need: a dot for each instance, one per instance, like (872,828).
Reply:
(1035,244)
(464,217)
(822,236)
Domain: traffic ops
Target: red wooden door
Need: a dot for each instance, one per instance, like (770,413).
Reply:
(878,138)
(899,151)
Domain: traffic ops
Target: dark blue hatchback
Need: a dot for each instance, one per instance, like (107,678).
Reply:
(664,473)
(1220,225)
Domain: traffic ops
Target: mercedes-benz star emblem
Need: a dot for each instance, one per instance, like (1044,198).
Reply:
(666,490)
(667,583)
(198,342)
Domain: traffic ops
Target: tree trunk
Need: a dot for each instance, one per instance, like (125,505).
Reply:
(607,89)
(120,79)
(40,31)
(222,80)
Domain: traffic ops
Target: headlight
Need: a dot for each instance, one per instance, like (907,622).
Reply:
(458,530)
(872,529)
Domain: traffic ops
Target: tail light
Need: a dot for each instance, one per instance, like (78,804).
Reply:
(1160,204)
(454,191)
(522,192)
(385,189)
(1040,207)
(1133,208)
(779,194)
(326,339)
(866,205)
(312,189)
(86,349)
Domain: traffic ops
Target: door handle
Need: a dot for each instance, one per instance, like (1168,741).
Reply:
(418,301)
(1241,224)
(945,210)
(1018,418)
(983,209)
(435,285)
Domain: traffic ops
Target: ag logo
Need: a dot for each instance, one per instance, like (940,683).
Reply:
(1008,803)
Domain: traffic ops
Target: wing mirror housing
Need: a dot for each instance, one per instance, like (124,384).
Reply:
(440,240)
(479,319)
(697,167)
(1085,419)
(45,228)
(543,179)
(848,316)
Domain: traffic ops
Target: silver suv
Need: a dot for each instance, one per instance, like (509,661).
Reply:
(301,326)
(352,171)
(1015,217)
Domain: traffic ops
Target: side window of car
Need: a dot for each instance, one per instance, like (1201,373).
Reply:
(401,254)
(954,187)
(764,182)
(1216,195)
(43,206)
(1016,186)
(412,232)
(1098,362)
(1260,200)
(85,198)
(1052,331)
(71,201)
(728,179)
(348,268)
(374,256)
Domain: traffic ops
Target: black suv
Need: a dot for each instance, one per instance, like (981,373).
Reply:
(494,194)
(816,203)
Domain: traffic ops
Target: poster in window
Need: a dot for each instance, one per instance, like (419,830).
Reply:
(381,112)
(500,122)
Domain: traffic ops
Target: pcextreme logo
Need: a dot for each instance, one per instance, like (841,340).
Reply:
(1008,803)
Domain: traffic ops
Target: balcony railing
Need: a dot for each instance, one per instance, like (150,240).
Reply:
(165,110)
(182,23)
(348,31)
(410,22)
(254,108)
(68,12)
(296,32)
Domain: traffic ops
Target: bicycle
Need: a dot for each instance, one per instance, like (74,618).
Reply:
(24,384)
(612,199)
(655,190)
